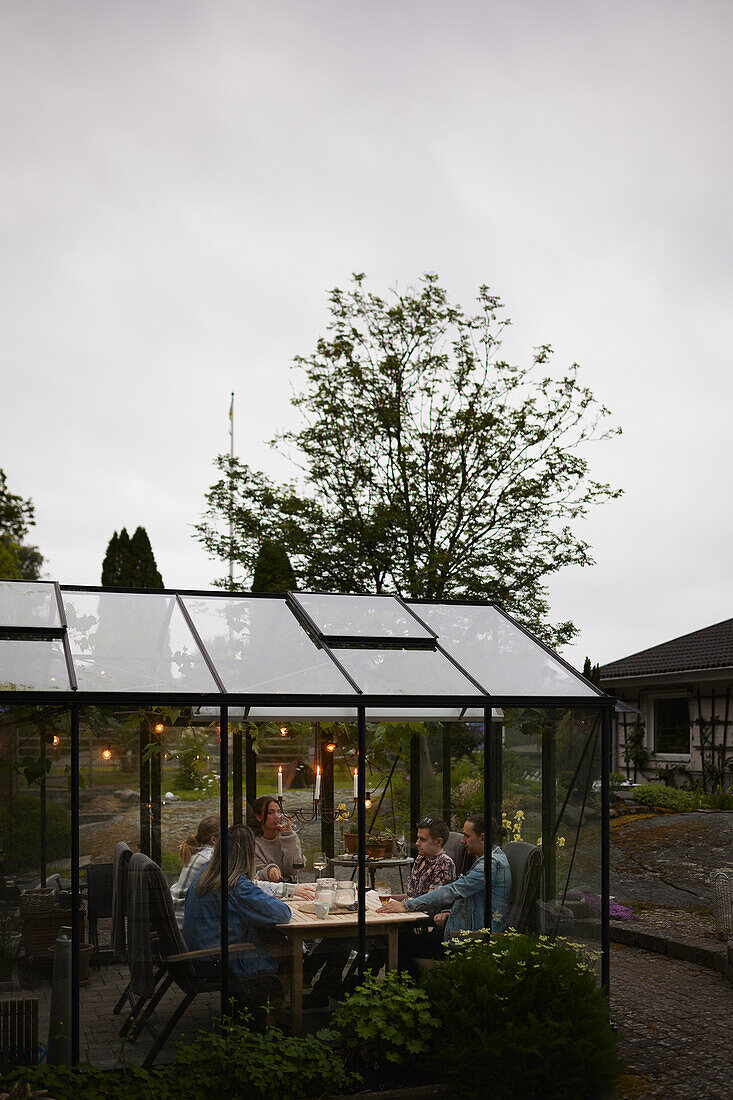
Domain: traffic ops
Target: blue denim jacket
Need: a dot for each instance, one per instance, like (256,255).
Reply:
(249,907)
(465,897)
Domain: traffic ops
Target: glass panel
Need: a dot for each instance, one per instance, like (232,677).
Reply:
(123,641)
(348,714)
(498,654)
(404,672)
(259,645)
(28,603)
(361,616)
(32,665)
(35,843)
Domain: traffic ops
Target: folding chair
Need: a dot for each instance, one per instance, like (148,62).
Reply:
(100,885)
(149,894)
(526,866)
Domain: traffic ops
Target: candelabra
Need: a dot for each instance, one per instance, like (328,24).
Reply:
(318,813)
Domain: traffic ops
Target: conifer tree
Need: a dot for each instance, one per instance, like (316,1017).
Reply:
(273,571)
(130,562)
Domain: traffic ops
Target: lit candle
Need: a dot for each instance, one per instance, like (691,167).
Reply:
(280,781)
(318,782)
(356,783)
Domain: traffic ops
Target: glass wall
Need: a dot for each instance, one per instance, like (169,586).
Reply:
(35,851)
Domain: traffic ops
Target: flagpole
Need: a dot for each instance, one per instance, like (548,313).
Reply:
(231,493)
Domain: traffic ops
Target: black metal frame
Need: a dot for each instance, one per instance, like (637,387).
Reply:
(362,703)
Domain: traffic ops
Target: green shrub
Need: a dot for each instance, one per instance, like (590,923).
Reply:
(683,801)
(230,1061)
(385,1020)
(525,1015)
(20,820)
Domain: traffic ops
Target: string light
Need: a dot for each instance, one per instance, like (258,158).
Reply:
(56,740)
(283,731)
(330,747)
(368,801)
(106,753)
(159,727)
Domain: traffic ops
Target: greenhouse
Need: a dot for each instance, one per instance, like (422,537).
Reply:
(127,718)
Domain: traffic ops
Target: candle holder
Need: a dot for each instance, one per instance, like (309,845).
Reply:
(317,813)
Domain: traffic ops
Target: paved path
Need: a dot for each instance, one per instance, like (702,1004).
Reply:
(675,1022)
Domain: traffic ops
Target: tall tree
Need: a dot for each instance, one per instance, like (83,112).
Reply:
(273,571)
(18,560)
(432,467)
(130,562)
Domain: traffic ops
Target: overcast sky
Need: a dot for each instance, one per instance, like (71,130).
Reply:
(182,182)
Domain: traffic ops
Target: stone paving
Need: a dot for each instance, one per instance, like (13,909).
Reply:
(675,1024)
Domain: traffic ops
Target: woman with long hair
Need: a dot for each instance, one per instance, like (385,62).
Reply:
(277,847)
(249,907)
(196,851)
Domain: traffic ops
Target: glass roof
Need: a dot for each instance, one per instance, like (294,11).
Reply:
(360,617)
(404,672)
(123,641)
(501,656)
(33,665)
(28,603)
(259,645)
(202,644)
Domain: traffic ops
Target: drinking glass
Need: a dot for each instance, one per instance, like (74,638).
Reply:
(320,862)
(385,892)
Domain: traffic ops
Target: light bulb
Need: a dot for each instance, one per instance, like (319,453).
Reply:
(330,747)
(283,731)
(107,753)
(159,727)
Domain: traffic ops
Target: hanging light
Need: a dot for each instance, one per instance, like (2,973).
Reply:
(283,731)
(107,753)
(330,747)
(159,727)
(368,800)
(56,740)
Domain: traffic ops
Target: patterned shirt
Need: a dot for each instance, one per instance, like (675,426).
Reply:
(428,872)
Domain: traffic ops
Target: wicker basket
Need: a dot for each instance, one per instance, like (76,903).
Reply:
(37,901)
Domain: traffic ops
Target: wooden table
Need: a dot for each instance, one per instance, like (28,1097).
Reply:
(337,925)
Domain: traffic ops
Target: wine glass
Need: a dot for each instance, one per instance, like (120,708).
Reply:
(320,862)
(298,867)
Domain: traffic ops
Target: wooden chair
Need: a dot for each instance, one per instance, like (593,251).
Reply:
(183,968)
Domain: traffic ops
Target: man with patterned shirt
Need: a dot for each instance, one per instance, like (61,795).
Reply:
(433,867)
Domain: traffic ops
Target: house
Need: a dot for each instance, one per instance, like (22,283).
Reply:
(682,692)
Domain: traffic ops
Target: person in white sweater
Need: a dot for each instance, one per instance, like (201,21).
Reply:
(277,848)
(196,851)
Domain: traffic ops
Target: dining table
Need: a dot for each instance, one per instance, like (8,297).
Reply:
(339,924)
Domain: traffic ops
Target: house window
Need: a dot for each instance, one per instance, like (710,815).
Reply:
(672,727)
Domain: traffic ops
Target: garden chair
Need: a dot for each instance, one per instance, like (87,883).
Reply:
(456,849)
(526,866)
(100,882)
(149,898)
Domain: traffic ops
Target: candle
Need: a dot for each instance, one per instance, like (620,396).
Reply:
(318,782)
(280,781)
(356,783)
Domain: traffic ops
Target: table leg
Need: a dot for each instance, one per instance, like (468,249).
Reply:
(296,986)
(393,949)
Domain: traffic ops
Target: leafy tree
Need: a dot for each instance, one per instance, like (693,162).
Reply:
(18,561)
(273,571)
(432,467)
(130,562)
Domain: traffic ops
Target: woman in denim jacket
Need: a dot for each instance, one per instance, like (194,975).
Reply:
(464,898)
(249,907)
